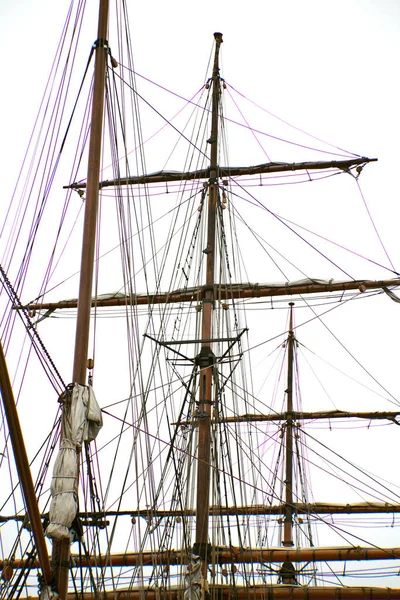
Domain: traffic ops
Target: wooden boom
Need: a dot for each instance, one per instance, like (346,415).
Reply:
(225,555)
(222,292)
(272,167)
(252,592)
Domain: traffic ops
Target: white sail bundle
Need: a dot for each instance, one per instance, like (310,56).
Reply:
(82,420)
(193,579)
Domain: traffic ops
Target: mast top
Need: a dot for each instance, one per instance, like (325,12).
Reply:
(218,37)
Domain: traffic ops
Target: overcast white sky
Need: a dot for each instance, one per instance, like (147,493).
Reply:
(330,68)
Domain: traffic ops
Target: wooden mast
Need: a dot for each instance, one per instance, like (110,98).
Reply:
(61,550)
(205,360)
(288,521)
(92,200)
(22,463)
(287,570)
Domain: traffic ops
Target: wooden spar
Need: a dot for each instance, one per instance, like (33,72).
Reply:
(169,176)
(61,549)
(22,463)
(288,521)
(311,508)
(251,592)
(205,360)
(91,518)
(248,555)
(222,292)
(224,555)
(96,518)
(304,416)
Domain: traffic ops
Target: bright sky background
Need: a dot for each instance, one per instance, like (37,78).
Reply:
(330,68)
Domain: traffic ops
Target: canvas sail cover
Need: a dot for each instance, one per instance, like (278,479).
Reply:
(81,422)
(193,579)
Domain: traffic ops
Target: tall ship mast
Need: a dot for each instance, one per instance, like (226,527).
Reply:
(185,444)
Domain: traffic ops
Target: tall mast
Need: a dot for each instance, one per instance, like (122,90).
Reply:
(61,549)
(92,200)
(205,359)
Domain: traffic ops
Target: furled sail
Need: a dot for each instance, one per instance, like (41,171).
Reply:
(81,422)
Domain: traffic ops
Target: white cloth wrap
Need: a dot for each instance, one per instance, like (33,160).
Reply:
(48,594)
(82,420)
(193,579)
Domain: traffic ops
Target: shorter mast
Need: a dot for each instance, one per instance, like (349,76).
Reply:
(287,572)
(288,521)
